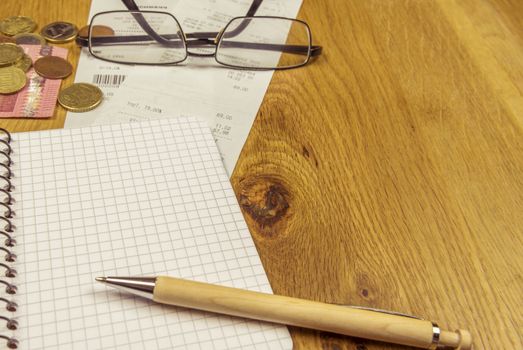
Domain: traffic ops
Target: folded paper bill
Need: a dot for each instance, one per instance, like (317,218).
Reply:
(38,98)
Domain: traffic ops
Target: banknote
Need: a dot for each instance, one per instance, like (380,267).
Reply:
(38,98)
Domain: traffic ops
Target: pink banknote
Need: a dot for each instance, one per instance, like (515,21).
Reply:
(38,98)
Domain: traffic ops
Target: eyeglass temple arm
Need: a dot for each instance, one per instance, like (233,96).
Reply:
(315,50)
(131,6)
(202,42)
(251,12)
(296,49)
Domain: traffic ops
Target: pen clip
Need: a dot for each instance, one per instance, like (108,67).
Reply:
(395,313)
(436,331)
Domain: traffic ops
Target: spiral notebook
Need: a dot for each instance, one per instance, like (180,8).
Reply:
(130,200)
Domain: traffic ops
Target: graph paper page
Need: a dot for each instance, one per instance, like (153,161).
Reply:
(129,200)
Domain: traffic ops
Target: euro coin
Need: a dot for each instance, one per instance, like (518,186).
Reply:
(80,97)
(9,54)
(97,31)
(12,80)
(24,63)
(29,39)
(52,67)
(59,32)
(17,25)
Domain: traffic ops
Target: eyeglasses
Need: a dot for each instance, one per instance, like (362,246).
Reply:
(156,38)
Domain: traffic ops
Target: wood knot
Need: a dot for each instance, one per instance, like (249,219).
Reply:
(366,288)
(265,200)
(309,155)
(331,341)
(305,152)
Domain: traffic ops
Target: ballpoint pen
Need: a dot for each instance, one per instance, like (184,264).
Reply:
(357,322)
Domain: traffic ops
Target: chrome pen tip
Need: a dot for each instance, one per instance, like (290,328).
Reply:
(101,279)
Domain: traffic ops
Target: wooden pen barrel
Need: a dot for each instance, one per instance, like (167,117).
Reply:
(305,313)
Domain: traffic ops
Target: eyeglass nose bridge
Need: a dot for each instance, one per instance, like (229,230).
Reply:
(202,43)
(208,41)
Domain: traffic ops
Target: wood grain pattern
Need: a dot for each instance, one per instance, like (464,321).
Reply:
(388,172)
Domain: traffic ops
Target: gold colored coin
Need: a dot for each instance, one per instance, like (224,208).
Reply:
(9,54)
(29,39)
(24,63)
(80,97)
(17,25)
(59,32)
(12,80)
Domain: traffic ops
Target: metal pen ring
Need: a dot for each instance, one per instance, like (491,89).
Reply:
(12,343)
(9,161)
(9,288)
(9,213)
(9,149)
(436,332)
(9,241)
(9,305)
(8,195)
(9,227)
(9,184)
(9,271)
(8,173)
(11,323)
(7,134)
(10,256)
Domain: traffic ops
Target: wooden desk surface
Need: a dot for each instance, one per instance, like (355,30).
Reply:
(388,173)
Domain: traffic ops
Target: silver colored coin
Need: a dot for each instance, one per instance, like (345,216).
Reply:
(29,39)
(59,32)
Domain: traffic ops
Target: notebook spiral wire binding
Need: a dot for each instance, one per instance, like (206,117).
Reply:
(7,272)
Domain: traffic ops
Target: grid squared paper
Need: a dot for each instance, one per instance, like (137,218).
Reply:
(129,200)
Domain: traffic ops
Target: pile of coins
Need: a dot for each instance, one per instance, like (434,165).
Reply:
(14,63)
(21,28)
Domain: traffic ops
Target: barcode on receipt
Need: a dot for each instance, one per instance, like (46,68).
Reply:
(108,80)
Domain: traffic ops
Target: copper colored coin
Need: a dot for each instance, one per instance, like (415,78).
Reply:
(6,39)
(97,31)
(52,67)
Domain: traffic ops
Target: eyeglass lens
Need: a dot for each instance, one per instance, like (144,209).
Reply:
(264,42)
(139,37)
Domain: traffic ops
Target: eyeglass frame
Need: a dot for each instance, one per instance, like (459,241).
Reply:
(208,38)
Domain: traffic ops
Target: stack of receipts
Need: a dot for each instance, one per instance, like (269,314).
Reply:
(228,100)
